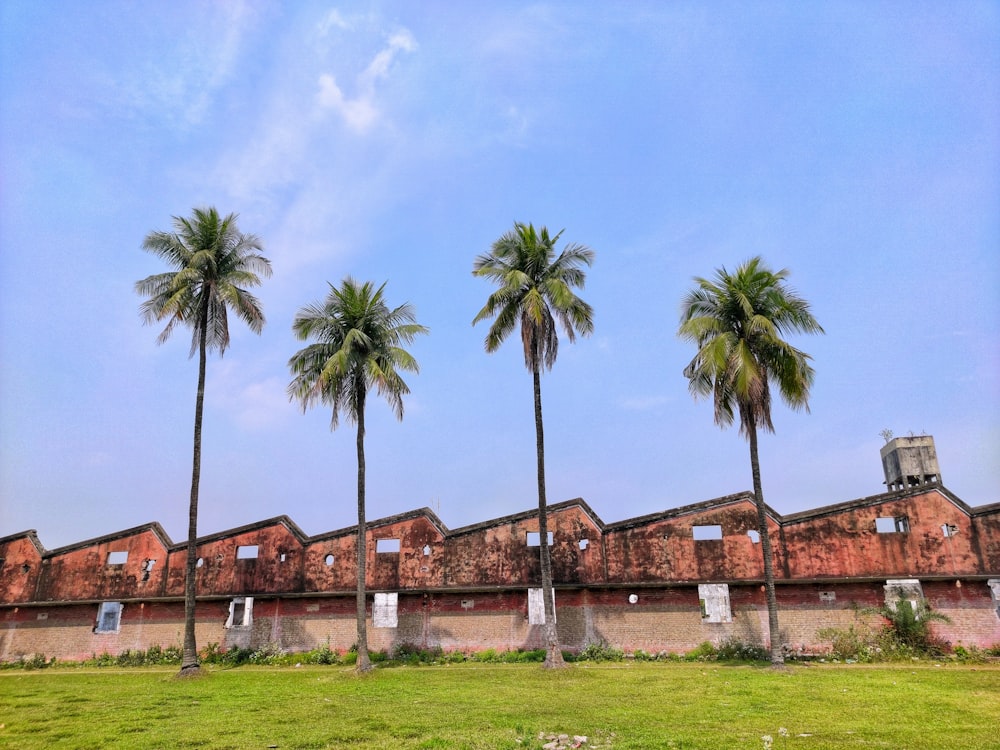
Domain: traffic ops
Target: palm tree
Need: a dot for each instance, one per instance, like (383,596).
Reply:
(536,291)
(358,346)
(737,321)
(213,265)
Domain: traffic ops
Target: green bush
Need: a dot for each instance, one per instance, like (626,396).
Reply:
(600,652)
(704,651)
(733,649)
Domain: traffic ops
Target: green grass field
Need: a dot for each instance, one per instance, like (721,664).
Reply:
(628,705)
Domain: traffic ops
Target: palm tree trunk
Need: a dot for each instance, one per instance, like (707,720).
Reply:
(364,663)
(553,655)
(189,661)
(777,656)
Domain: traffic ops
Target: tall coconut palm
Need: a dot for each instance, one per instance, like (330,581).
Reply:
(536,292)
(737,322)
(213,264)
(358,346)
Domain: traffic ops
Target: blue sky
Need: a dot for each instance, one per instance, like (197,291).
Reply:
(855,143)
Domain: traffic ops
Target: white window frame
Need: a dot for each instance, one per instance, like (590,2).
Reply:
(106,611)
(536,607)
(385,610)
(715,604)
(247,619)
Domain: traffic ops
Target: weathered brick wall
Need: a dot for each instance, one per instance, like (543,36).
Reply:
(661,619)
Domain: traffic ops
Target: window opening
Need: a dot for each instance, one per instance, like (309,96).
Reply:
(109,617)
(386,545)
(427,550)
(714,601)
(147,568)
(201,561)
(948,529)
(247,552)
(534,538)
(892,525)
(754,536)
(240,612)
(905,590)
(584,543)
(384,611)
(117,558)
(282,557)
(706,533)
(328,560)
(536,606)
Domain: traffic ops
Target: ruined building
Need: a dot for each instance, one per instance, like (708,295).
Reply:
(666,581)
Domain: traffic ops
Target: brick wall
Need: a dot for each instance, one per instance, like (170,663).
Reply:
(661,619)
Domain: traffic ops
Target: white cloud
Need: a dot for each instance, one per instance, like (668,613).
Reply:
(254,406)
(644,403)
(360,113)
(331,20)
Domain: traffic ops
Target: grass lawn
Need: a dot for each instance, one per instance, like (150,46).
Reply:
(630,705)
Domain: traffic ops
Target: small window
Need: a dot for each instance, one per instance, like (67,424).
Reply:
(147,568)
(109,617)
(892,525)
(427,550)
(707,533)
(534,538)
(201,561)
(240,612)
(117,558)
(584,543)
(754,536)
(949,530)
(714,601)
(384,610)
(329,560)
(536,606)
(282,557)
(386,545)
(247,552)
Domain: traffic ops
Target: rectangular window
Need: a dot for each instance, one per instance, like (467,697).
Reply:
(247,552)
(948,529)
(386,545)
(109,617)
(240,612)
(892,525)
(117,558)
(535,538)
(385,610)
(714,600)
(705,533)
(536,606)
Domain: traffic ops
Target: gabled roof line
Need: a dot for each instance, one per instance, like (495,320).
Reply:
(31,535)
(281,520)
(153,526)
(529,514)
(684,510)
(884,497)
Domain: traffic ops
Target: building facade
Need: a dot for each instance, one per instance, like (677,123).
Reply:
(661,582)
